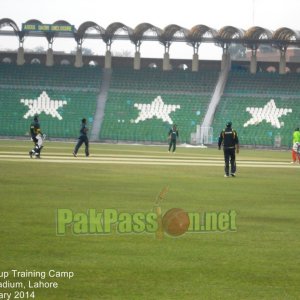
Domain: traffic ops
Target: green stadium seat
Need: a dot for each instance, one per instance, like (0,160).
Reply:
(130,90)
(244,91)
(76,88)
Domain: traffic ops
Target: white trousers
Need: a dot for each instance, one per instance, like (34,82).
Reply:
(39,140)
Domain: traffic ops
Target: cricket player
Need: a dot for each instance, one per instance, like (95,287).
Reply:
(173,135)
(230,141)
(37,137)
(296,143)
(83,138)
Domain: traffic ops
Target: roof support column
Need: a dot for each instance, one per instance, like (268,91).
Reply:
(195,61)
(20,57)
(282,63)
(78,58)
(253,62)
(225,63)
(137,58)
(137,61)
(49,57)
(166,61)
(107,64)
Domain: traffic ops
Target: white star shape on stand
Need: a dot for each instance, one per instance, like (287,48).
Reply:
(43,104)
(157,108)
(270,113)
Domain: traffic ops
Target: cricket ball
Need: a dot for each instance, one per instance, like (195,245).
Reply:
(176,222)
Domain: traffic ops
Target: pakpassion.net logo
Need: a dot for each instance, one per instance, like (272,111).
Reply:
(174,222)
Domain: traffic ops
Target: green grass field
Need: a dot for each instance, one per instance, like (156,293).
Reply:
(260,260)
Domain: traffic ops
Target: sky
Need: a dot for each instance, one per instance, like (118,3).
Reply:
(270,14)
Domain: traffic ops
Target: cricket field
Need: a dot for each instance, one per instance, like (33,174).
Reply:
(93,227)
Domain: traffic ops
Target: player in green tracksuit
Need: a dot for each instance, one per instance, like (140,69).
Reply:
(296,142)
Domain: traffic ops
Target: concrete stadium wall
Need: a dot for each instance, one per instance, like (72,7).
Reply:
(146,62)
(116,61)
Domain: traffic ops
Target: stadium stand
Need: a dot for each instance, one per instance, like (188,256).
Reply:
(74,91)
(158,80)
(265,95)
(191,91)
(33,75)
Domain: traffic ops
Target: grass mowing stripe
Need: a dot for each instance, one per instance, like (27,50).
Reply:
(150,162)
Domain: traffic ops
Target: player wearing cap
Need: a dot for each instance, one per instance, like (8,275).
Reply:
(230,141)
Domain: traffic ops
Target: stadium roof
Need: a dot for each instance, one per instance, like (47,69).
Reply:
(251,38)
